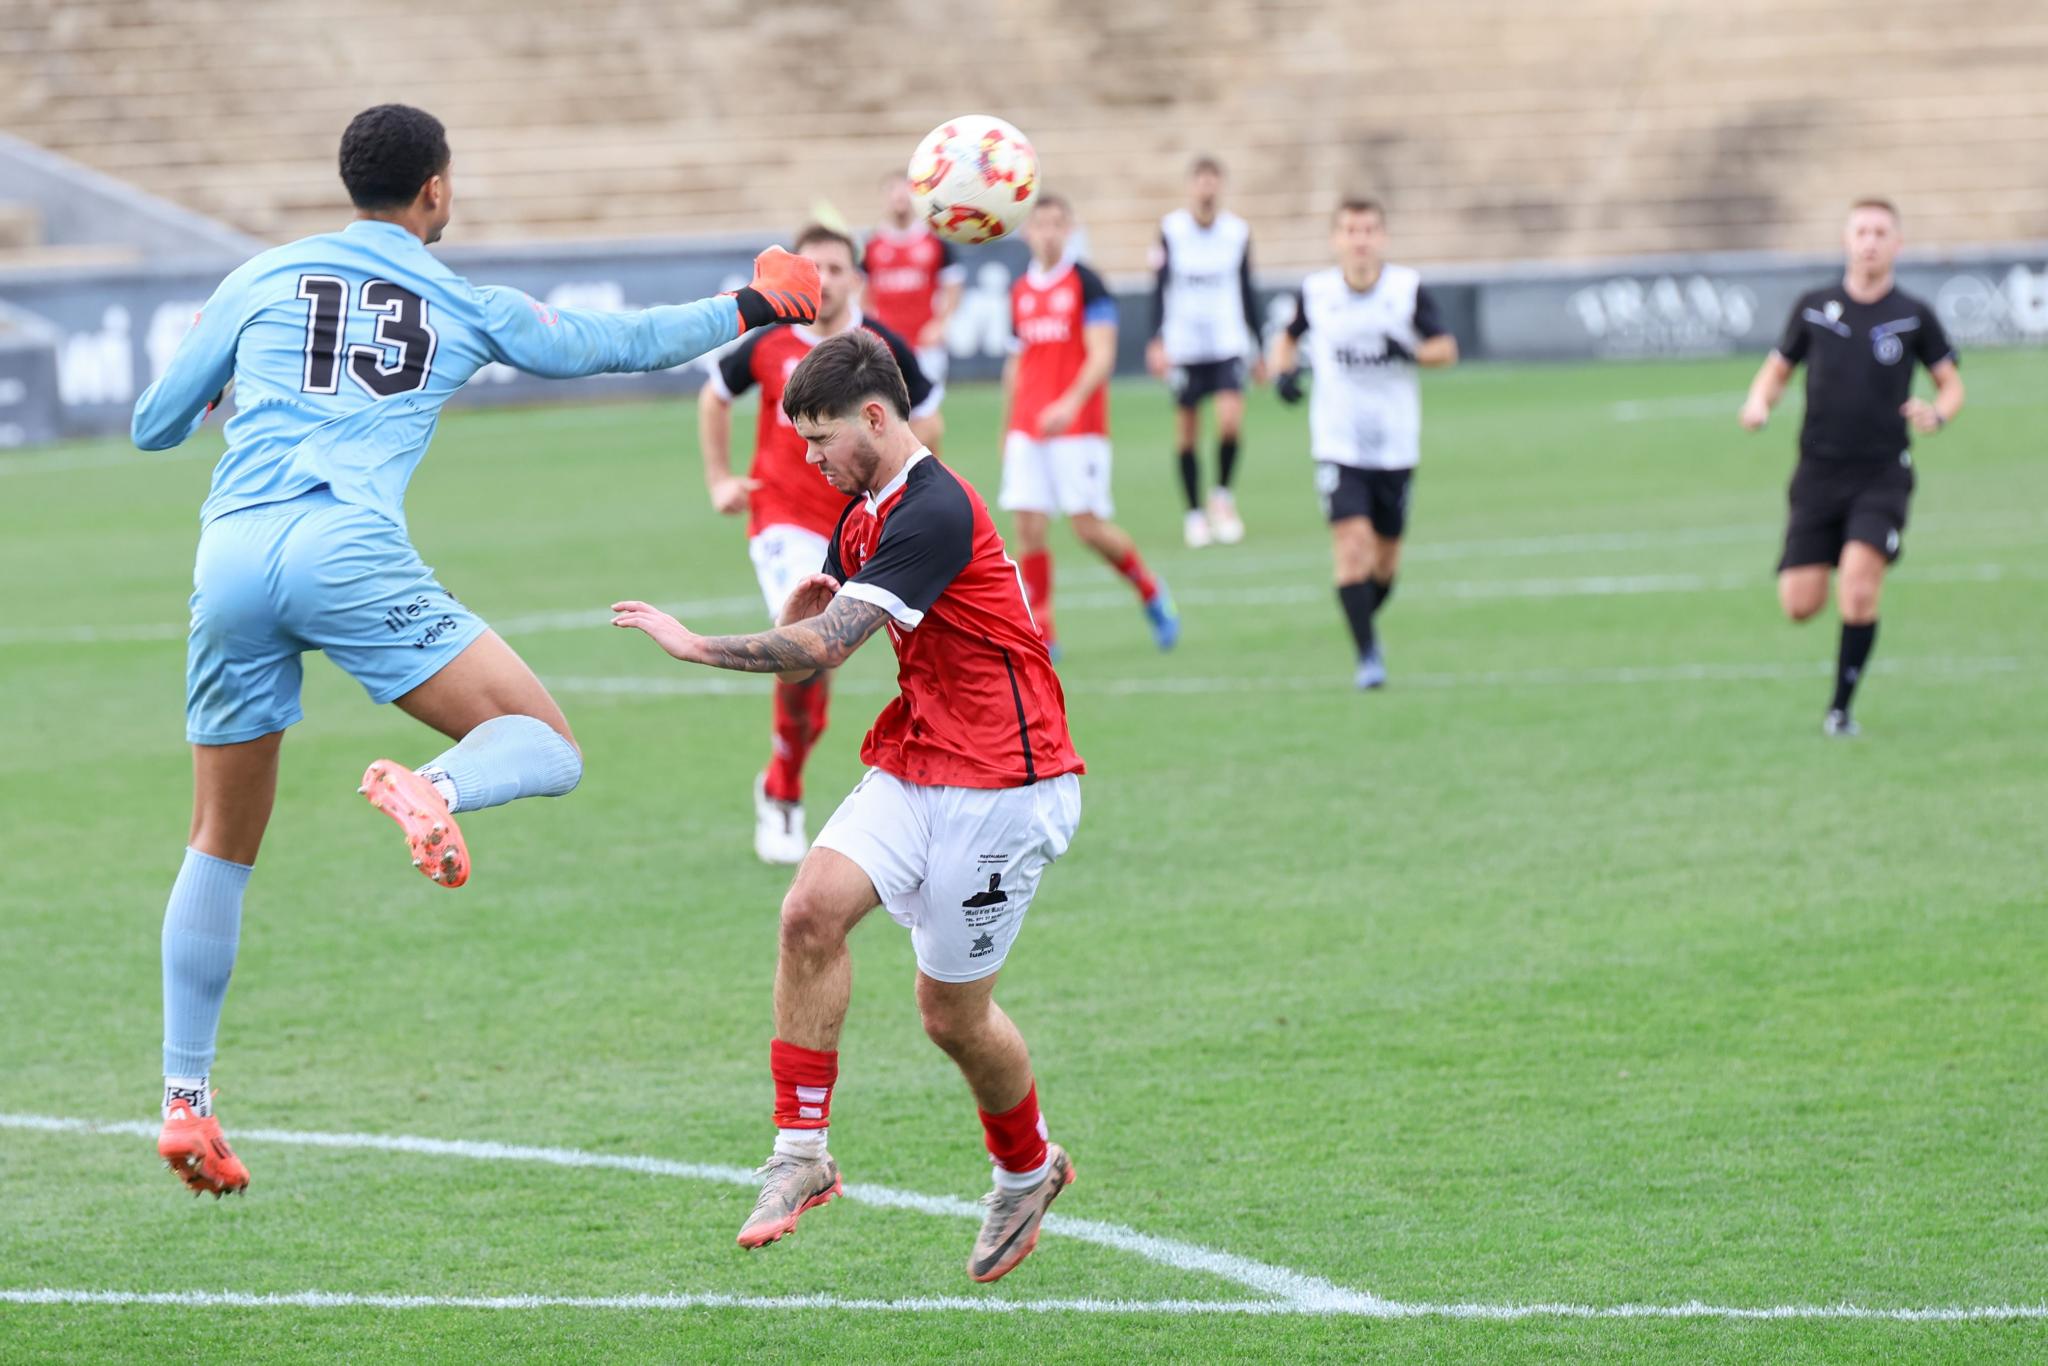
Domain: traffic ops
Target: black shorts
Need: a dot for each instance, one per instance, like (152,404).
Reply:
(1378,495)
(1834,502)
(1205,379)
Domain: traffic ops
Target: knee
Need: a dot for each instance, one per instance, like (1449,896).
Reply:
(1859,602)
(1800,601)
(808,926)
(951,1024)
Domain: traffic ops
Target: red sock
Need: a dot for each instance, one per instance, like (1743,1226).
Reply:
(799,721)
(1037,567)
(803,1085)
(1133,568)
(1016,1137)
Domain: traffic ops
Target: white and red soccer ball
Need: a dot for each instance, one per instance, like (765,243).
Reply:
(973,178)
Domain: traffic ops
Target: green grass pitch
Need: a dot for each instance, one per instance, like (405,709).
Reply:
(1575,968)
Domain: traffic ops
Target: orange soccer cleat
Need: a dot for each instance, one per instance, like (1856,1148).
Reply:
(409,799)
(193,1147)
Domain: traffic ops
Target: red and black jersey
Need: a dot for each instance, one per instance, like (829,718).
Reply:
(979,704)
(793,492)
(905,268)
(1050,311)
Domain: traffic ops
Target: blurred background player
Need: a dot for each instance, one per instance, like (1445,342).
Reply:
(1205,322)
(303,546)
(790,507)
(1369,324)
(914,280)
(1850,492)
(1056,456)
(973,789)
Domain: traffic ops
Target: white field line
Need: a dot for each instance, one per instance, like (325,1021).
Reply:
(1258,1276)
(962,1304)
(711,684)
(1294,1292)
(748,611)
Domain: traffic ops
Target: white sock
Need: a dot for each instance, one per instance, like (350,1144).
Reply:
(443,784)
(192,1090)
(804,1143)
(1022,1181)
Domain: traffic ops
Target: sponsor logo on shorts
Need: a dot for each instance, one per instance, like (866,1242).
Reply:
(445,626)
(984,945)
(402,616)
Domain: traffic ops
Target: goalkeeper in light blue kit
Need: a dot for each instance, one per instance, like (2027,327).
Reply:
(342,349)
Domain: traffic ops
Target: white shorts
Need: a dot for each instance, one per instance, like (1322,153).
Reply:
(956,866)
(1063,474)
(784,556)
(935,361)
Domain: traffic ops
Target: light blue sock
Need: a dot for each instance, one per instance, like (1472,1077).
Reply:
(506,758)
(202,925)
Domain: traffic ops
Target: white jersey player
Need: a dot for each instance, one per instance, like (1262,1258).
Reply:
(1365,326)
(1205,328)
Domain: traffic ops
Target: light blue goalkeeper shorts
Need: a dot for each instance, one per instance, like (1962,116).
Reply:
(314,573)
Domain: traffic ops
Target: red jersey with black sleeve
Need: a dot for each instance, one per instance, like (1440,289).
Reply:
(1050,311)
(793,491)
(905,268)
(978,704)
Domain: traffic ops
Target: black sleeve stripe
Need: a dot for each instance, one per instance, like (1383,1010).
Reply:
(833,565)
(736,367)
(1159,284)
(1092,287)
(1249,290)
(1298,328)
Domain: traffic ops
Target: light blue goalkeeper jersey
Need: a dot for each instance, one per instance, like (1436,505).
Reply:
(344,346)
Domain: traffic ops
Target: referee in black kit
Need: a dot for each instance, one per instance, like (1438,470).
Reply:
(1859,339)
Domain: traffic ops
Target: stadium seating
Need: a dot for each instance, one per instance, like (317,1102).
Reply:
(1493,128)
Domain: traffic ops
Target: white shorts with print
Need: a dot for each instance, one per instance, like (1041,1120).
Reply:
(1059,474)
(784,556)
(956,866)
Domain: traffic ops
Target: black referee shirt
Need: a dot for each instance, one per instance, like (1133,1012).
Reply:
(1859,369)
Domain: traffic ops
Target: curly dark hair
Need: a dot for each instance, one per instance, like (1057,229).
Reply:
(388,151)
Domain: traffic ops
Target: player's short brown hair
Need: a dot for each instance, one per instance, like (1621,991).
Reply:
(1872,201)
(813,233)
(1205,164)
(1359,203)
(840,374)
(1049,200)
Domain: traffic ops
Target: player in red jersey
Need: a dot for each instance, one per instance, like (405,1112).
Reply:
(790,509)
(1056,444)
(973,788)
(914,280)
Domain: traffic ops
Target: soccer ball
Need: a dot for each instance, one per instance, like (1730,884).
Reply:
(973,178)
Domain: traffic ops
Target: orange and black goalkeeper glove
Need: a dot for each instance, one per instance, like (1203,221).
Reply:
(784,290)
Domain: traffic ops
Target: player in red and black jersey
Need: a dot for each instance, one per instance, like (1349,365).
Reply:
(791,509)
(1859,340)
(973,788)
(1056,456)
(914,277)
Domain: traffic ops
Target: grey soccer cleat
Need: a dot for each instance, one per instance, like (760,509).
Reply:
(1009,1231)
(1837,725)
(1372,670)
(790,1186)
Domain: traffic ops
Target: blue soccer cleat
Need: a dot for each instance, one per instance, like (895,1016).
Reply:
(1164,618)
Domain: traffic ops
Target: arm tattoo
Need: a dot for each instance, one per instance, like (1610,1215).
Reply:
(821,642)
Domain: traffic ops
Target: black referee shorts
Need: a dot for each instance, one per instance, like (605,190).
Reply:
(1834,502)
(1381,496)
(1205,379)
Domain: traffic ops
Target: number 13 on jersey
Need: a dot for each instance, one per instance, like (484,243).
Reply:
(397,362)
